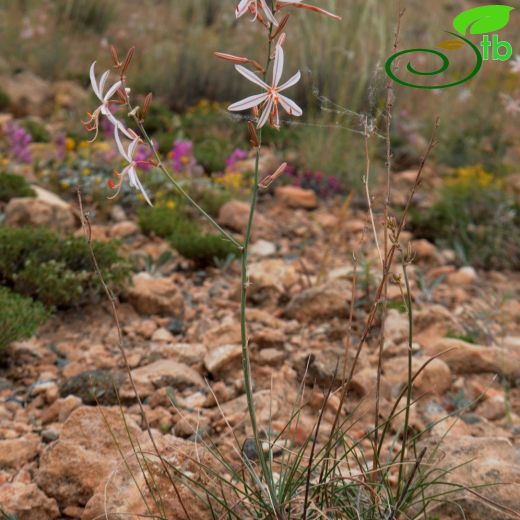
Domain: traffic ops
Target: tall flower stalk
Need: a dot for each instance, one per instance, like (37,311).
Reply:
(264,111)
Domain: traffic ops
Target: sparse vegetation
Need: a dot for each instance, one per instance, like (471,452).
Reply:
(21,317)
(54,270)
(12,186)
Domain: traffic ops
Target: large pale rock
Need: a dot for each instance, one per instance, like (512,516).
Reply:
(234,215)
(29,94)
(270,279)
(296,197)
(432,323)
(155,296)
(85,453)
(14,453)
(435,378)
(492,464)
(27,502)
(466,358)
(45,212)
(117,496)
(223,334)
(320,303)
(221,357)
(164,372)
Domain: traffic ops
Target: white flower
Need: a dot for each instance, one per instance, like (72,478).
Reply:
(515,64)
(104,108)
(130,168)
(252,5)
(272,97)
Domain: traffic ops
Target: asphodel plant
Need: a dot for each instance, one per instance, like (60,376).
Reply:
(263,109)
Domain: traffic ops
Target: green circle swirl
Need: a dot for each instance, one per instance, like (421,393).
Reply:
(442,68)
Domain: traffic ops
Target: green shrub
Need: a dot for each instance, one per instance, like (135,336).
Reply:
(20,317)
(476,219)
(212,154)
(203,249)
(163,221)
(57,271)
(210,199)
(38,131)
(4,100)
(12,186)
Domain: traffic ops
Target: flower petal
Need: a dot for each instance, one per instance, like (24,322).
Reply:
(249,102)
(265,114)
(136,183)
(290,82)
(278,65)
(111,91)
(290,106)
(119,144)
(251,76)
(268,13)
(242,7)
(102,82)
(93,80)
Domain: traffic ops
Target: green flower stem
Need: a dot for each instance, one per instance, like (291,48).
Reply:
(179,188)
(410,376)
(246,362)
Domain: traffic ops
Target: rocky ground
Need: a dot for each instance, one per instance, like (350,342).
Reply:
(182,340)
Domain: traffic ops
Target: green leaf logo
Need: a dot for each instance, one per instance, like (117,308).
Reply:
(482,20)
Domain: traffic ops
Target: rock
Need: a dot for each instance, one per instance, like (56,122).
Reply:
(268,338)
(295,197)
(69,94)
(188,353)
(271,278)
(164,372)
(85,453)
(29,94)
(94,386)
(14,453)
(464,276)
(119,494)
(434,379)
(223,334)
(61,409)
(28,211)
(263,248)
(271,356)
(124,229)
(235,216)
(466,358)
(491,463)
(162,335)
(424,250)
(26,502)
(320,303)
(151,295)
(432,323)
(221,357)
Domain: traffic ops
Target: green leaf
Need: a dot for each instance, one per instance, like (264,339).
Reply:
(482,20)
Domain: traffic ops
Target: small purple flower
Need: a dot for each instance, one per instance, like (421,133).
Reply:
(182,154)
(237,156)
(18,140)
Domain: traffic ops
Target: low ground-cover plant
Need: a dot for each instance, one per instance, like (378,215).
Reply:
(12,186)
(186,235)
(21,316)
(56,271)
(476,218)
